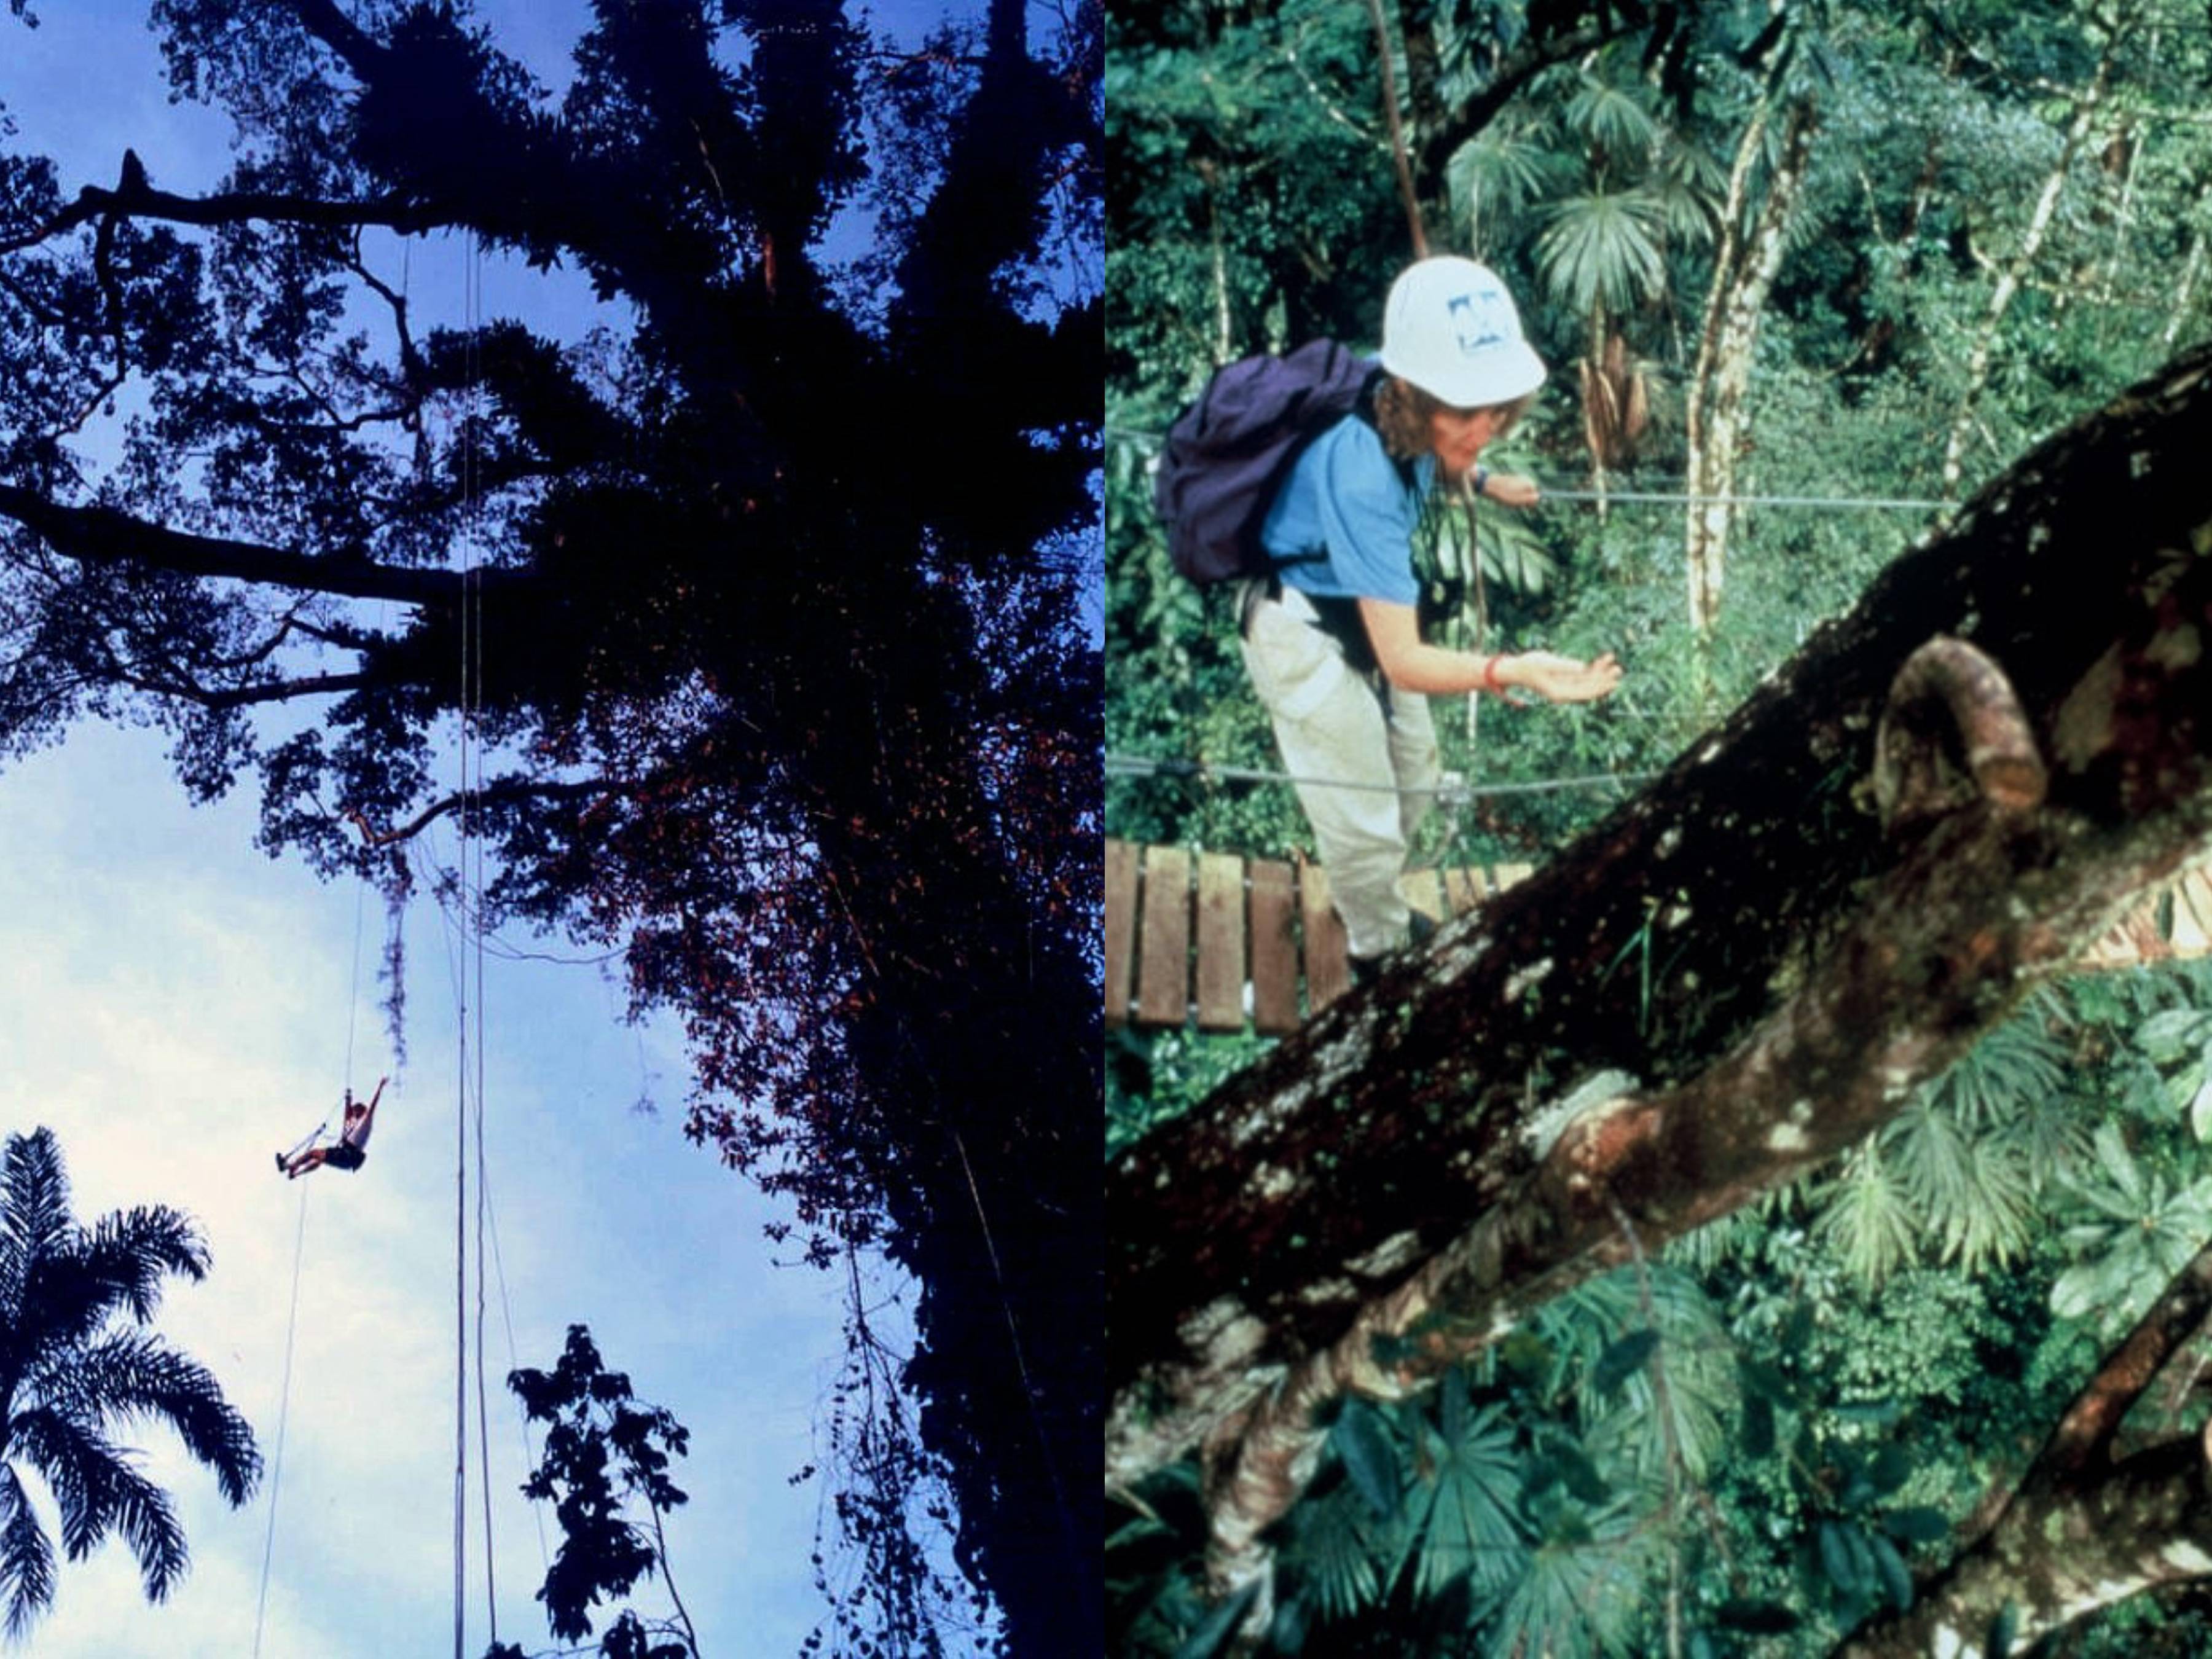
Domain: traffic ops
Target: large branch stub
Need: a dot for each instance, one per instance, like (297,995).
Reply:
(1381,1174)
(1949,699)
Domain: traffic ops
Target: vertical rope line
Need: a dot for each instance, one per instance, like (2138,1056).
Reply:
(484,1423)
(461,1013)
(513,1363)
(353,998)
(283,1415)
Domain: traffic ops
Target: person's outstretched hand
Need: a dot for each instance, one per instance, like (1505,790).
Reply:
(1511,489)
(1563,679)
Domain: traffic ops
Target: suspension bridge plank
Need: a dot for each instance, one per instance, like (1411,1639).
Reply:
(1121,858)
(1275,948)
(1220,942)
(1328,953)
(1464,888)
(1253,926)
(1164,976)
(1424,892)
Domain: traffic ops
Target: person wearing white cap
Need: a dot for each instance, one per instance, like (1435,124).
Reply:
(1333,641)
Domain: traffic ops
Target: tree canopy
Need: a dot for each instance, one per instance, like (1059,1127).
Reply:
(1715,1244)
(759,600)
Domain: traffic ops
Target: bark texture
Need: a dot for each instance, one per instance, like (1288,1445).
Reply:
(2079,1531)
(1744,270)
(1771,967)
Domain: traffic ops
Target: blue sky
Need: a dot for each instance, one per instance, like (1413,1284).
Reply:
(177,1008)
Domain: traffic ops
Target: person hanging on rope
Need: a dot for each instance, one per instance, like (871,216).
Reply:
(351,1150)
(1332,639)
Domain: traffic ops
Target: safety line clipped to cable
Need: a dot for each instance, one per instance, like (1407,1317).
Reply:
(283,1417)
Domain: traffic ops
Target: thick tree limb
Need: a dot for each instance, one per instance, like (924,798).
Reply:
(101,535)
(499,792)
(134,198)
(1892,1004)
(1260,1247)
(2079,1531)
(1528,57)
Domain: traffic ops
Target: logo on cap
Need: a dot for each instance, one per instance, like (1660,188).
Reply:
(1475,320)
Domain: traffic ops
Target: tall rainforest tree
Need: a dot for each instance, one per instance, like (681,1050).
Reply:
(78,1362)
(761,598)
(1748,1235)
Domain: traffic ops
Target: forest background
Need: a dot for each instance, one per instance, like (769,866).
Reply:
(1865,255)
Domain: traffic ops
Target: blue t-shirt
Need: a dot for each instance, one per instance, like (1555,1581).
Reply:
(1345,497)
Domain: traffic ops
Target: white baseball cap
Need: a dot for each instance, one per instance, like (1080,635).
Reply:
(1450,329)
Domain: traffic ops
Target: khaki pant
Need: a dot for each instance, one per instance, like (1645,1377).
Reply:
(1342,728)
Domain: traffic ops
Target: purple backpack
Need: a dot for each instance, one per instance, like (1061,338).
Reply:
(1227,454)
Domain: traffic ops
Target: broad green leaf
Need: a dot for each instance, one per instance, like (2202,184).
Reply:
(2079,1291)
(1918,1524)
(1891,1468)
(1214,1632)
(1836,1556)
(1371,1458)
(2004,1630)
(2118,1162)
(1891,1565)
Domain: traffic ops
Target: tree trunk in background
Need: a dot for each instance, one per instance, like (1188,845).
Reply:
(2009,281)
(1393,1186)
(1728,344)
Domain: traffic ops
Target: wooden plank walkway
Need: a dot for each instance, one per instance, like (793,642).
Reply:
(1225,943)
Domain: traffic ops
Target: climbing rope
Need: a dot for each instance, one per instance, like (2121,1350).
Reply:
(283,1415)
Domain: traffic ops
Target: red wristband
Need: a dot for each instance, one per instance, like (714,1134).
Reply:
(1491,683)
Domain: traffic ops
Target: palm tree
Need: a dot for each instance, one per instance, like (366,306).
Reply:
(72,1371)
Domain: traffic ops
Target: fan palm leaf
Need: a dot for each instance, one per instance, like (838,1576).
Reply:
(1600,249)
(1867,1217)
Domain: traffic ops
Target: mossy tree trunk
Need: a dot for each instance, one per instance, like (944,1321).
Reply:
(1737,975)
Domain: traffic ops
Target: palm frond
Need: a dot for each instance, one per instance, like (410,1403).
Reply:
(1973,1193)
(137,1377)
(1498,175)
(34,1212)
(148,1522)
(1599,248)
(1334,1553)
(85,1276)
(2018,1063)
(1627,1430)
(1866,1217)
(26,1558)
(1581,1594)
(79,1465)
(1464,1507)
(1612,117)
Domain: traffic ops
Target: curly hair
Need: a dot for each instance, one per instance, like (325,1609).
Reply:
(1402,412)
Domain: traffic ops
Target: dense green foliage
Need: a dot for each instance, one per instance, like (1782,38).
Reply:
(1749,1445)
(1766,1431)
